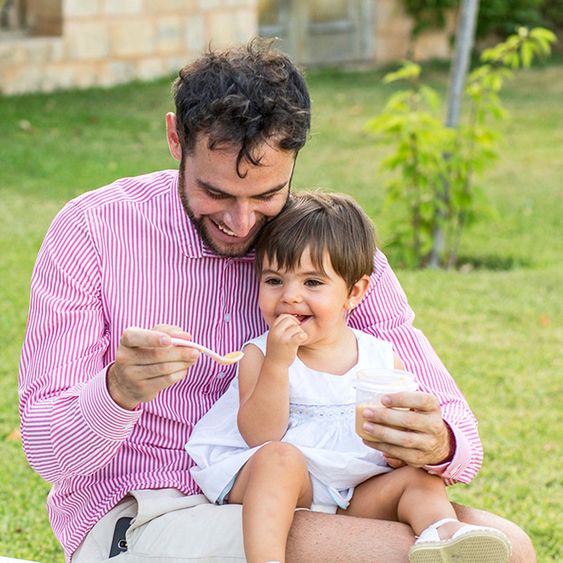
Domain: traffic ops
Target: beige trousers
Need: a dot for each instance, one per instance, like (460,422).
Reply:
(170,527)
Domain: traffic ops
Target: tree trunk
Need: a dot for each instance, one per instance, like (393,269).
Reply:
(465,35)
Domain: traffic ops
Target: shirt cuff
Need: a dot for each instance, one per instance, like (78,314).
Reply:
(102,414)
(450,470)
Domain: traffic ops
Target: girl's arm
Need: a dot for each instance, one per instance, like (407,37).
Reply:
(264,383)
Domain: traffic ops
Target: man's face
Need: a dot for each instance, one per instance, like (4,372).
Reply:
(227,210)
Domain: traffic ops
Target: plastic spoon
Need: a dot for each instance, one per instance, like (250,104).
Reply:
(227,359)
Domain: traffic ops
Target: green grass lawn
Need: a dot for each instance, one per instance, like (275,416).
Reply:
(497,323)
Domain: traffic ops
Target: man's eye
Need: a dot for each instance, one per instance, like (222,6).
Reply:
(265,197)
(217,195)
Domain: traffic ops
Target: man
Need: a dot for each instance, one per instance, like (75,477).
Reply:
(107,403)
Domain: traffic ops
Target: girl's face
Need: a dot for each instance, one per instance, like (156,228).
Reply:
(319,301)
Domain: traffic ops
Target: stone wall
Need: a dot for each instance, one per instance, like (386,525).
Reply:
(393,40)
(81,43)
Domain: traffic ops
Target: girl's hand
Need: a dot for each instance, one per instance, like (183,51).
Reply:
(284,338)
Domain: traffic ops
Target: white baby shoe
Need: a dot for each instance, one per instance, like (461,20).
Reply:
(472,544)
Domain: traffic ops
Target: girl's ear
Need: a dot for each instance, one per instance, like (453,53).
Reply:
(357,292)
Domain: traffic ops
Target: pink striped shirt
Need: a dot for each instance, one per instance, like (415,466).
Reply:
(127,255)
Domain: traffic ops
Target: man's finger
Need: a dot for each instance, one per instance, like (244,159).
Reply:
(172,330)
(154,371)
(397,437)
(143,338)
(393,462)
(143,356)
(405,419)
(408,456)
(411,400)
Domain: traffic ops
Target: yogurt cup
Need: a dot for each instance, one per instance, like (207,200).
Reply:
(371,384)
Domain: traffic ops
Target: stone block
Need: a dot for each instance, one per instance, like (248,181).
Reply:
(390,48)
(123,7)
(11,53)
(253,4)
(195,37)
(220,30)
(86,40)
(60,76)
(117,73)
(389,9)
(43,49)
(169,34)
(133,38)
(181,7)
(431,45)
(21,79)
(245,24)
(206,5)
(149,69)
(172,65)
(82,8)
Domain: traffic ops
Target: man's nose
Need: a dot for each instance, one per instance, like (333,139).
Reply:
(241,218)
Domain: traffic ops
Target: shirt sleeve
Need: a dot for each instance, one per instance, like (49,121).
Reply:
(70,424)
(386,314)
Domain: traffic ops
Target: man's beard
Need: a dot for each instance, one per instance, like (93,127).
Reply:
(232,251)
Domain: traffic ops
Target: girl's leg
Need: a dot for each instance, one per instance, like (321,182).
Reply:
(270,486)
(416,498)
(406,495)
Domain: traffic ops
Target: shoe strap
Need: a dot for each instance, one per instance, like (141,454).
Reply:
(431,533)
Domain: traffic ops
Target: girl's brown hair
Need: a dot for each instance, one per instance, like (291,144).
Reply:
(321,222)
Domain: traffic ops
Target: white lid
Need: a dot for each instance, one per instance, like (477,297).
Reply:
(385,380)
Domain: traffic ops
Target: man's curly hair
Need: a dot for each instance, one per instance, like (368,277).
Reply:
(243,97)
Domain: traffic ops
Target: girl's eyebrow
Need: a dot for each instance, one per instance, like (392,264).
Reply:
(317,273)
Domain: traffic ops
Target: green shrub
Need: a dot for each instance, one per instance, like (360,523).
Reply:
(434,193)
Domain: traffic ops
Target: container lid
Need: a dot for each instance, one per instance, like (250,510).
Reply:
(385,380)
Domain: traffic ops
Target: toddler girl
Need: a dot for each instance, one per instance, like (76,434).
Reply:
(282,437)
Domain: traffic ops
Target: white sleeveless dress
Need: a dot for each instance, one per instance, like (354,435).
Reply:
(321,425)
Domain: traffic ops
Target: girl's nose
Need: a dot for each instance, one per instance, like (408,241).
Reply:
(291,294)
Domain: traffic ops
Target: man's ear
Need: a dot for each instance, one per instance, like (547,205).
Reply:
(172,136)
(357,292)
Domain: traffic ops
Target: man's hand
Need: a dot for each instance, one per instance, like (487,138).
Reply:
(146,362)
(415,437)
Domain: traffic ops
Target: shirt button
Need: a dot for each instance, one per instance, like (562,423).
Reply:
(221,374)
(227,317)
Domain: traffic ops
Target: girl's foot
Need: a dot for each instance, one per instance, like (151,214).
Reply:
(473,544)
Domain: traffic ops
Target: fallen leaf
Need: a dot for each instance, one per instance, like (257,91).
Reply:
(25,125)
(545,320)
(14,436)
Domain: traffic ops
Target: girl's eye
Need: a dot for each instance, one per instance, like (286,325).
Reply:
(313,283)
(272,281)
